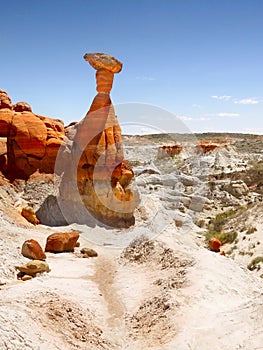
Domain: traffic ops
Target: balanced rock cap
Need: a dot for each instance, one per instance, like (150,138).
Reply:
(103,61)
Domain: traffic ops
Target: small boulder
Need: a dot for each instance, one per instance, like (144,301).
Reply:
(29,214)
(33,267)
(26,278)
(88,253)
(22,107)
(62,242)
(31,249)
(215,244)
(5,101)
(103,61)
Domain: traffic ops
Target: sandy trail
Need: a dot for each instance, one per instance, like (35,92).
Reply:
(104,278)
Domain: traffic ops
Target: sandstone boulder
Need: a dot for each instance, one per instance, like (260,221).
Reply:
(29,214)
(6,117)
(61,242)
(31,249)
(5,101)
(22,107)
(26,278)
(215,244)
(33,141)
(30,137)
(103,61)
(88,252)
(33,267)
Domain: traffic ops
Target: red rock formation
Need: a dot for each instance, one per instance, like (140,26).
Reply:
(31,249)
(33,141)
(22,107)
(5,101)
(103,61)
(169,151)
(206,146)
(215,244)
(61,242)
(6,117)
(103,177)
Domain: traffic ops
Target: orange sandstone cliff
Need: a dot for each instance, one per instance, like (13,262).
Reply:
(32,141)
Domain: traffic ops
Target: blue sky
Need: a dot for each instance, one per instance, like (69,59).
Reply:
(198,60)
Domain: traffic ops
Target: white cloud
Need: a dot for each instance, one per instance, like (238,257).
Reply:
(228,115)
(222,97)
(247,101)
(184,117)
(203,119)
(223,115)
(187,119)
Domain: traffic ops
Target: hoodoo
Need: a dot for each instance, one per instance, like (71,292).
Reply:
(102,175)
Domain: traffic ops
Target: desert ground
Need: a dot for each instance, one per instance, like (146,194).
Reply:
(157,284)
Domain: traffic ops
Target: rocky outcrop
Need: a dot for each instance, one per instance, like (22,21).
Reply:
(33,141)
(101,176)
(31,249)
(22,107)
(207,147)
(97,182)
(169,151)
(237,188)
(5,101)
(62,242)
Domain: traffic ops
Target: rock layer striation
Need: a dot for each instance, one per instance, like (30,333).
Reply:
(102,175)
(32,140)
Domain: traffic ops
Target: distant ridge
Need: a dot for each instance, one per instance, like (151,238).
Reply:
(184,137)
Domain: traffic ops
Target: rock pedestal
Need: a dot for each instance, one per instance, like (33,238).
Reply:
(103,177)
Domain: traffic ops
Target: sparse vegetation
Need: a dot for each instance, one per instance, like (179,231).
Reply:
(224,237)
(200,223)
(251,230)
(216,224)
(242,252)
(255,263)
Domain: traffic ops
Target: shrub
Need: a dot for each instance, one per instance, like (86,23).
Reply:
(255,263)
(224,237)
(200,223)
(220,219)
(251,230)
